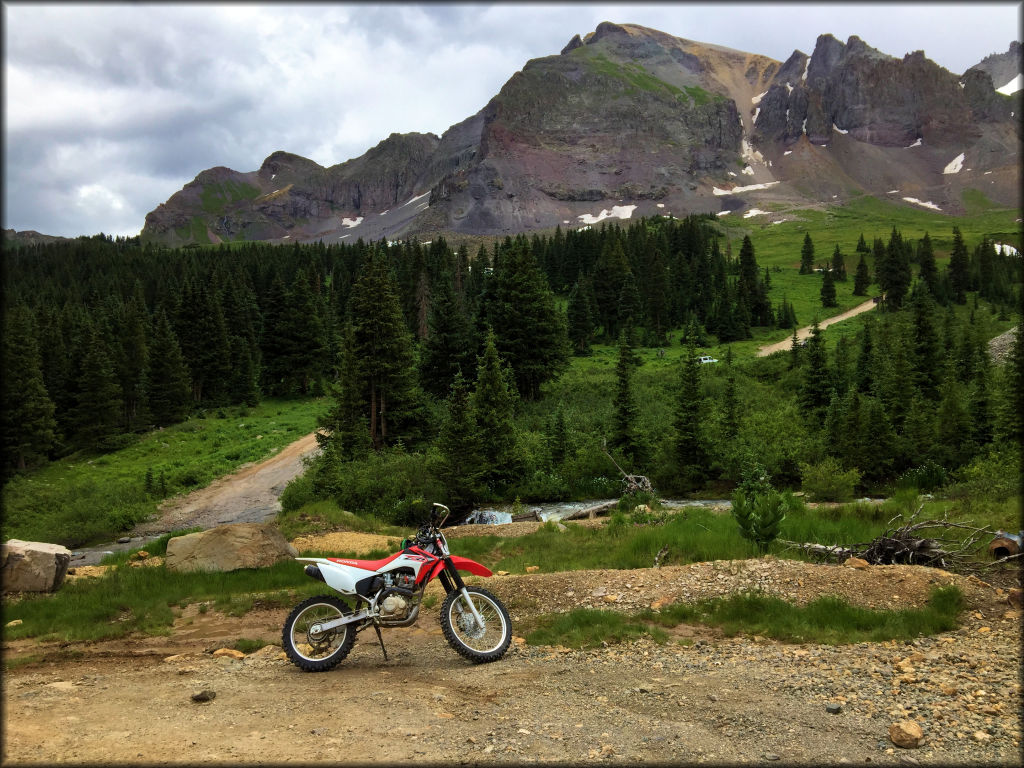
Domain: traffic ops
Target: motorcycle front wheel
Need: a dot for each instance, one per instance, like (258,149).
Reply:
(479,644)
(309,647)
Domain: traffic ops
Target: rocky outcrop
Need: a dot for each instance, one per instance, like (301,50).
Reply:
(228,548)
(32,566)
(626,116)
(1001,68)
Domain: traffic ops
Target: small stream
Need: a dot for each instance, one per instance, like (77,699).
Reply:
(559,510)
(496,515)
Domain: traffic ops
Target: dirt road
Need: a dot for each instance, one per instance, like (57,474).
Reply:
(804,333)
(250,495)
(701,698)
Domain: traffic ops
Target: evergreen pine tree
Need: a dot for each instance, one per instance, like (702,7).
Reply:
(383,346)
(828,290)
(344,432)
(690,450)
(448,348)
(953,424)
(816,386)
(529,327)
(580,318)
(461,468)
(838,265)
(558,438)
(630,309)
(609,275)
(626,414)
(96,416)
(928,273)
(864,377)
(730,403)
(202,334)
(167,380)
(27,419)
(927,351)
(862,246)
(862,277)
(807,255)
(894,274)
(959,277)
(841,373)
(493,408)
(1008,406)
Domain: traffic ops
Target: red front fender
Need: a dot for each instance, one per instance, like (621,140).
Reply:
(465,564)
(462,564)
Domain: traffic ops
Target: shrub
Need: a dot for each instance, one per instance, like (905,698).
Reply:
(393,485)
(926,477)
(826,481)
(761,515)
(994,476)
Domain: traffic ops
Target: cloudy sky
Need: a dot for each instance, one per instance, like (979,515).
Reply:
(109,109)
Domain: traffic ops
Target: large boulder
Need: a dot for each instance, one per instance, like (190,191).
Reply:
(228,548)
(33,566)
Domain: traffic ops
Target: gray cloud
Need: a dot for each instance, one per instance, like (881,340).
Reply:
(110,109)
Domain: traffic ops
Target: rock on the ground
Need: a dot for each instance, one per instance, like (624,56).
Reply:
(906,734)
(228,548)
(33,566)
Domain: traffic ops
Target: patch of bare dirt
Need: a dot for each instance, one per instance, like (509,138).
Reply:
(703,697)
(249,495)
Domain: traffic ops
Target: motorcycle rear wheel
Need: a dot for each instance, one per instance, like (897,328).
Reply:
(309,649)
(478,644)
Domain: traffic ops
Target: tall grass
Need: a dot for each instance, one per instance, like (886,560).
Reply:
(828,620)
(86,499)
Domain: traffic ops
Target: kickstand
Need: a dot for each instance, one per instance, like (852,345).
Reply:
(381,639)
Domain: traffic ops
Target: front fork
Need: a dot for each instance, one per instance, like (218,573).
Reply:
(452,580)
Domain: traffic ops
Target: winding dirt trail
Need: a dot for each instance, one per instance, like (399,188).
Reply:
(252,494)
(804,333)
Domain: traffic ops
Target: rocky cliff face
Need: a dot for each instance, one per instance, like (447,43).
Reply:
(632,121)
(1003,68)
(855,89)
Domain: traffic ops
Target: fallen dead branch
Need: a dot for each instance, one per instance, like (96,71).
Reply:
(631,483)
(907,544)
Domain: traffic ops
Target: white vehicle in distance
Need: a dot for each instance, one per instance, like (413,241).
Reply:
(706,359)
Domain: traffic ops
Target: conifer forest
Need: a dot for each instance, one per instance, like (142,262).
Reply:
(445,373)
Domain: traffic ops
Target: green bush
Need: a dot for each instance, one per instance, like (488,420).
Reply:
(298,493)
(926,477)
(994,476)
(393,485)
(543,486)
(827,481)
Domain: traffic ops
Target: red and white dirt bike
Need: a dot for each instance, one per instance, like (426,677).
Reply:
(320,631)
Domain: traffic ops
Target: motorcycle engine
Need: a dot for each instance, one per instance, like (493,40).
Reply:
(394,607)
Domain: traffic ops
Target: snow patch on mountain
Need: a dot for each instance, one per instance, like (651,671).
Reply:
(915,144)
(617,212)
(347,222)
(737,190)
(955,165)
(754,212)
(915,201)
(1013,86)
